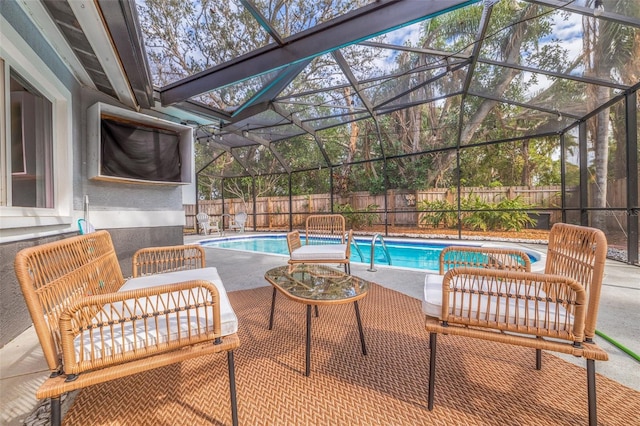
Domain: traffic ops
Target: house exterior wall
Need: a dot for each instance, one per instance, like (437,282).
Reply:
(136,215)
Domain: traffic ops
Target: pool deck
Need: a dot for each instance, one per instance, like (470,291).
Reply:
(23,369)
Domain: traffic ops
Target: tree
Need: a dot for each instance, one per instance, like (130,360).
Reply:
(519,33)
(179,43)
(437,124)
(611,50)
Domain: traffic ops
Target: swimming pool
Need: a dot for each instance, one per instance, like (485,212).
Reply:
(404,253)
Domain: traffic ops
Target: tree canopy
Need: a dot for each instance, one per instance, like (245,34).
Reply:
(477,96)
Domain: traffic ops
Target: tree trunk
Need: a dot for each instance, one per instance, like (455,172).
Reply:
(343,177)
(526,167)
(601,160)
(600,137)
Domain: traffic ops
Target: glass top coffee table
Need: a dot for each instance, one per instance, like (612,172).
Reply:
(316,285)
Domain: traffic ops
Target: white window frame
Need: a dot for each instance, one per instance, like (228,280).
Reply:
(26,222)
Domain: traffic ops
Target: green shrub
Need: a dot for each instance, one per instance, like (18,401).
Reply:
(480,219)
(356,220)
(438,213)
(477,214)
(515,219)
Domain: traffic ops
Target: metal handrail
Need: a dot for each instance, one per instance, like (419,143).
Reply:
(373,248)
(355,244)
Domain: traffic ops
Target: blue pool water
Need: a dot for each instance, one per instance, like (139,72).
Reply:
(406,254)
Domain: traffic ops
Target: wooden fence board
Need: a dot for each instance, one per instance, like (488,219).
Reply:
(402,205)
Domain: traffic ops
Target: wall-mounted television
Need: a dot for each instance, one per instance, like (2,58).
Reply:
(127,146)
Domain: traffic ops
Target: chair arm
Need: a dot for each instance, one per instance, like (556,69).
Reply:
(155,260)
(112,328)
(293,241)
(525,302)
(484,257)
(348,243)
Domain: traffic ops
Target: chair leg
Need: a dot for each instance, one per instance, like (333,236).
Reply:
(364,346)
(432,368)
(232,389)
(307,370)
(538,359)
(317,311)
(56,412)
(273,305)
(591,391)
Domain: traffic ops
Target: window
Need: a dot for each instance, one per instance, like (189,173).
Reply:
(31,148)
(36,159)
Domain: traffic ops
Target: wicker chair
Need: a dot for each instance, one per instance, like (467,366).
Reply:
(94,326)
(326,241)
(554,311)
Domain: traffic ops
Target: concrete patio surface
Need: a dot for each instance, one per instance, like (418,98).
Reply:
(23,369)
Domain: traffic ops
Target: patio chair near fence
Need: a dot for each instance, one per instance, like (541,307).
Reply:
(207,225)
(555,310)
(326,241)
(239,221)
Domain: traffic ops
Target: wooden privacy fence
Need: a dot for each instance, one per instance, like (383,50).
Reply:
(402,205)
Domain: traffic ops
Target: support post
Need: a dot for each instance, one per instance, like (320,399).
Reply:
(290,206)
(633,210)
(254,198)
(584,177)
(222,197)
(331,186)
(563,174)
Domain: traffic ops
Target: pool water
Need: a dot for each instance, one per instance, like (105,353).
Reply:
(406,254)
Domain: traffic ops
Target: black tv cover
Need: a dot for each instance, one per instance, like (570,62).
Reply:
(136,151)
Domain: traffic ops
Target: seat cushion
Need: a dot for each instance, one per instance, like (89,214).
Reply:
(432,298)
(320,251)
(229,321)
(168,327)
(527,312)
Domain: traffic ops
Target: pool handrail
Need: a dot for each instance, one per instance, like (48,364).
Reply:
(373,249)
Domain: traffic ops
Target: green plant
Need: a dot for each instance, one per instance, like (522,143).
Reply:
(480,217)
(357,219)
(512,214)
(437,213)
(477,214)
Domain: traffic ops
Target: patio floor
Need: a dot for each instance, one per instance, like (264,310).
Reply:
(476,382)
(23,367)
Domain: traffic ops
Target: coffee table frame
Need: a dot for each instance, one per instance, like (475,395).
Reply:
(284,280)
